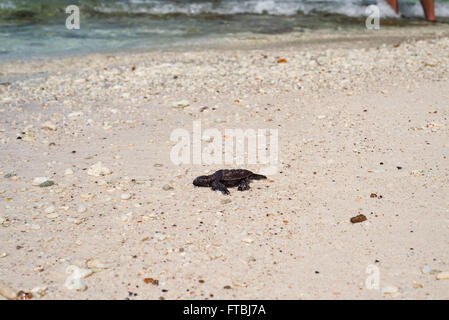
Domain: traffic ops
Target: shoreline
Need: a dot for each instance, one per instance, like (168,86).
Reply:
(355,118)
(313,40)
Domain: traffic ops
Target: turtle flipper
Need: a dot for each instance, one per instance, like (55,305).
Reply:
(216,185)
(255,176)
(244,185)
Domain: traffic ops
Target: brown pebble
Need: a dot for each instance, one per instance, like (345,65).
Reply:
(373,195)
(152,281)
(227,287)
(359,218)
(22,295)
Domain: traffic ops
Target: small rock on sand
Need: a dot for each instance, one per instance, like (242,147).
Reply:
(22,295)
(47,183)
(429,270)
(359,218)
(39,180)
(75,114)
(98,169)
(7,292)
(39,291)
(75,280)
(95,265)
(426,269)
(49,126)
(52,216)
(151,281)
(390,290)
(417,285)
(443,275)
(50,209)
(180,104)
(417,173)
(125,196)
(4,221)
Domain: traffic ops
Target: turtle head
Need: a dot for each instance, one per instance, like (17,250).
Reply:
(203,181)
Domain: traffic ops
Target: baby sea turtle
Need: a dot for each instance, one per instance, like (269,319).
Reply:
(223,179)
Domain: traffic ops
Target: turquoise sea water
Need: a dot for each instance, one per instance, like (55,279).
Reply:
(30,28)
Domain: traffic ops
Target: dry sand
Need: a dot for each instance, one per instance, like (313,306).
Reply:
(355,118)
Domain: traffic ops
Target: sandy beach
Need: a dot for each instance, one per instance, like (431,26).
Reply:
(363,128)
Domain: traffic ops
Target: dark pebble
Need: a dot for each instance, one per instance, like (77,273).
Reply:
(359,218)
(48,183)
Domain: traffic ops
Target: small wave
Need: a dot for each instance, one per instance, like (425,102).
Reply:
(7,5)
(45,10)
(354,8)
